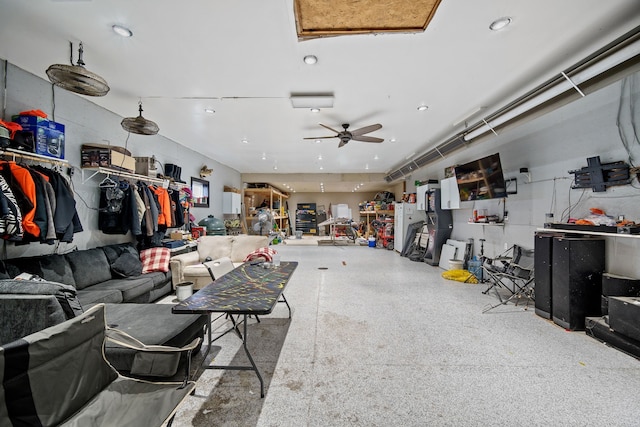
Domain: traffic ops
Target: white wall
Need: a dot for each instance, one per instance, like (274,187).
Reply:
(86,122)
(550,146)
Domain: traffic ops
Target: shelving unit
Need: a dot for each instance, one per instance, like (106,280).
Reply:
(10,152)
(369,216)
(306,220)
(253,198)
(121,174)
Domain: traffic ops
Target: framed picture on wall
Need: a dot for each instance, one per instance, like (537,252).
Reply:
(200,192)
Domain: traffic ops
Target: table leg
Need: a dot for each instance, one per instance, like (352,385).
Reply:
(253,366)
(284,300)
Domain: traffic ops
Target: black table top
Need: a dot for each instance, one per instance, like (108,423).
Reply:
(248,289)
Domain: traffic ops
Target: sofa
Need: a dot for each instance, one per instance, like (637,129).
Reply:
(189,267)
(108,274)
(78,280)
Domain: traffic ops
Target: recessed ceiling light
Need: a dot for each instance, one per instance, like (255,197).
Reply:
(209,110)
(122,31)
(275,167)
(319,156)
(366,166)
(392,140)
(245,141)
(422,108)
(317,141)
(376,157)
(321,168)
(315,110)
(264,156)
(310,59)
(500,23)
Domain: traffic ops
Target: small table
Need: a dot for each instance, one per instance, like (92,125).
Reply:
(246,290)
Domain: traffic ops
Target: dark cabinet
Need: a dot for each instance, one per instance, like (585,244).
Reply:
(543,245)
(576,280)
(306,220)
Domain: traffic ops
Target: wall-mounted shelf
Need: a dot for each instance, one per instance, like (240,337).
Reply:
(492,224)
(32,156)
(121,174)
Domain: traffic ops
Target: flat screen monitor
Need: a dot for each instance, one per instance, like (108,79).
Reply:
(481,179)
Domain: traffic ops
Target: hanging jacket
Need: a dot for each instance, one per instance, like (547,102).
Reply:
(28,186)
(65,217)
(10,216)
(164,215)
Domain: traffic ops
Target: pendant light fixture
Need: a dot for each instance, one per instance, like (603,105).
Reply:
(139,124)
(76,78)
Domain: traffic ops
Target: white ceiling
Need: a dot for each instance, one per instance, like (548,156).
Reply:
(243,59)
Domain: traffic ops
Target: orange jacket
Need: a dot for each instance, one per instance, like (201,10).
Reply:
(24,179)
(164,216)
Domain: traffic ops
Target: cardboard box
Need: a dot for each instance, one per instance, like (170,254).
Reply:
(48,136)
(107,156)
(146,166)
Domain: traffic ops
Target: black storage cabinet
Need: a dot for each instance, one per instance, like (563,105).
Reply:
(578,264)
(543,246)
(306,218)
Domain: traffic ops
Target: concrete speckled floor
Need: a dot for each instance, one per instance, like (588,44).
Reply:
(378,340)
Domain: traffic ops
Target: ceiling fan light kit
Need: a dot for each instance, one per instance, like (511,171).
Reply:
(76,78)
(139,125)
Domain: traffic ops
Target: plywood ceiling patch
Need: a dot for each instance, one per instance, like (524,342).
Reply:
(338,17)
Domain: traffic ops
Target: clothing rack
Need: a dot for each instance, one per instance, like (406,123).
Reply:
(13,153)
(120,174)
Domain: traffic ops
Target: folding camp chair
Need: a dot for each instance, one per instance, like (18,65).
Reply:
(511,271)
(60,376)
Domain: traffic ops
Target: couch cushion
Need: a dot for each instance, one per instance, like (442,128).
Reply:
(55,268)
(196,270)
(127,265)
(158,278)
(142,320)
(89,296)
(89,267)
(131,287)
(65,294)
(43,311)
(243,246)
(214,247)
(155,259)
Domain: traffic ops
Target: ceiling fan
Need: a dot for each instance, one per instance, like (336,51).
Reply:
(357,135)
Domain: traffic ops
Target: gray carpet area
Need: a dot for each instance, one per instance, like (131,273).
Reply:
(378,340)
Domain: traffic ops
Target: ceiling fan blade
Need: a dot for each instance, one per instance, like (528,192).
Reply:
(327,127)
(363,138)
(366,129)
(321,137)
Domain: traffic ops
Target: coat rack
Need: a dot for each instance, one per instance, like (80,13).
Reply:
(13,153)
(120,174)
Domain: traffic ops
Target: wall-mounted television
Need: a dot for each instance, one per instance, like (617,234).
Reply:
(481,179)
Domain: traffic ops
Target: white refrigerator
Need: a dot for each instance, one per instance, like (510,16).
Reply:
(404,214)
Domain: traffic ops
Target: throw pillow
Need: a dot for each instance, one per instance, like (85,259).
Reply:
(155,259)
(127,265)
(264,253)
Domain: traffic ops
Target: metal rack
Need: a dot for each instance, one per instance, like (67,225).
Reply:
(13,153)
(122,174)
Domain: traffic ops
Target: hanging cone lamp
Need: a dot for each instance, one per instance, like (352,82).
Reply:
(139,124)
(76,78)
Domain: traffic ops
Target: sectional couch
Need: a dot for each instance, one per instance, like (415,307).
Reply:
(78,280)
(100,275)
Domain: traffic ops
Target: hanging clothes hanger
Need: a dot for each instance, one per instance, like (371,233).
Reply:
(107,182)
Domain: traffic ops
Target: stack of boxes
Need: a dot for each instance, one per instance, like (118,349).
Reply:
(48,136)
